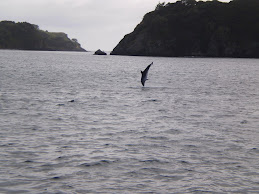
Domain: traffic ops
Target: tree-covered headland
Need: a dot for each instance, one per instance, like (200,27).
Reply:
(26,36)
(196,28)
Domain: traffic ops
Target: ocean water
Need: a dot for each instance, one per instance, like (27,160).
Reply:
(78,123)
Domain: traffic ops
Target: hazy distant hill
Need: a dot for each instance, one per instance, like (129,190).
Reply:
(26,36)
(190,28)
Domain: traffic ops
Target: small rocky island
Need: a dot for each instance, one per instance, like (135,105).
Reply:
(26,36)
(100,52)
(196,28)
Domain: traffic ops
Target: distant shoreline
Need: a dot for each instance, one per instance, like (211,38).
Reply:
(26,36)
(44,50)
(108,54)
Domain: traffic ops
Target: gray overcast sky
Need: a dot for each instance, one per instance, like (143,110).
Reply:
(95,23)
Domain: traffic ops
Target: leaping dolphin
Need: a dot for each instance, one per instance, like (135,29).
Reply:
(144,74)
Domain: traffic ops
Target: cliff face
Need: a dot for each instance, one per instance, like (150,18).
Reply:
(190,28)
(27,36)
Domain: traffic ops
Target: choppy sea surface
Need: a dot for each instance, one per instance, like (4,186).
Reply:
(78,123)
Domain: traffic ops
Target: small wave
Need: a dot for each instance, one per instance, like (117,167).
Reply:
(68,157)
(173,131)
(184,162)
(154,161)
(169,178)
(62,177)
(61,104)
(155,137)
(244,122)
(28,161)
(98,163)
(56,177)
(196,115)
(154,88)
(153,100)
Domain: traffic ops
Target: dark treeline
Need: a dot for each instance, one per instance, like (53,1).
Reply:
(26,36)
(190,28)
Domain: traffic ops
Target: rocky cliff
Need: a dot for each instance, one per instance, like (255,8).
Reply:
(26,36)
(190,28)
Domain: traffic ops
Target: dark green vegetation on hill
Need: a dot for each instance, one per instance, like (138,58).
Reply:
(26,36)
(190,28)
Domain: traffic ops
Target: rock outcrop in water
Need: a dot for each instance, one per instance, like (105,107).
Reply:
(100,52)
(190,28)
(26,36)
